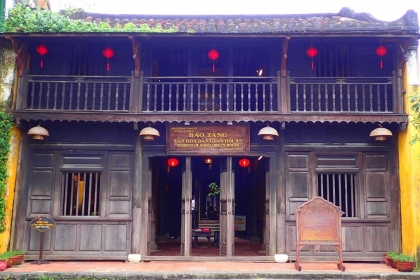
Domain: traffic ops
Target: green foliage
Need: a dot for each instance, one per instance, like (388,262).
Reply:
(5,128)
(404,258)
(214,189)
(392,254)
(24,19)
(415,121)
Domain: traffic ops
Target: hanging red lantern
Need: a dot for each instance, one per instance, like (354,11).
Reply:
(244,162)
(213,55)
(312,52)
(381,51)
(173,162)
(41,50)
(108,53)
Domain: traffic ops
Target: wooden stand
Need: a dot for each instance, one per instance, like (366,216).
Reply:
(318,222)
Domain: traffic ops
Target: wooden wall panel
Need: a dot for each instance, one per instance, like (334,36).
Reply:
(352,238)
(376,238)
(116,237)
(377,186)
(41,181)
(120,183)
(297,181)
(35,239)
(65,236)
(117,207)
(90,237)
(40,206)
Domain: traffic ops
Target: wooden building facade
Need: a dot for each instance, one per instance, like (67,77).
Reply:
(323,82)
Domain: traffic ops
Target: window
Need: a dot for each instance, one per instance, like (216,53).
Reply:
(80,193)
(339,189)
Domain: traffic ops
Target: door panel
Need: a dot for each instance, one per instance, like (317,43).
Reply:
(227,207)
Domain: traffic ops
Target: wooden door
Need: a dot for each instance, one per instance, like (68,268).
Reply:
(227,207)
(186,234)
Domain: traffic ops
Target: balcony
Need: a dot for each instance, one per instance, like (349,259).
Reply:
(196,98)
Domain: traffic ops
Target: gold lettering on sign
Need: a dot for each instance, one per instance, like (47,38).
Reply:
(208,139)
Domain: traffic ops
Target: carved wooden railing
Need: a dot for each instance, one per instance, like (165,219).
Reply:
(77,93)
(247,95)
(210,94)
(332,95)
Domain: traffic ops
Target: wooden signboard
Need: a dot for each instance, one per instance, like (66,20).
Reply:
(208,139)
(42,223)
(318,222)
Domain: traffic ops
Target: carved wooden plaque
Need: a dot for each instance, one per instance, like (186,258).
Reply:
(208,139)
(319,221)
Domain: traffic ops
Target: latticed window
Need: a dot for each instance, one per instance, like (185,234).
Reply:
(80,193)
(340,189)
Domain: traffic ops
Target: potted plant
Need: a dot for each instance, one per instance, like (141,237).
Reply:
(214,189)
(388,256)
(17,256)
(3,262)
(9,260)
(391,256)
(405,263)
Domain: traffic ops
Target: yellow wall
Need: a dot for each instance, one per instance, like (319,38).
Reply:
(409,162)
(12,163)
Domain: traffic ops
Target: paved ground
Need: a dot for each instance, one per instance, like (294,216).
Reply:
(200,270)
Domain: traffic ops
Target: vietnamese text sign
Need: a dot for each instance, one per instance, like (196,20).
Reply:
(42,223)
(209,140)
(240,223)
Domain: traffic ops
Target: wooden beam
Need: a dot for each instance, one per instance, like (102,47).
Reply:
(20,52)
(136,55)
(284,56)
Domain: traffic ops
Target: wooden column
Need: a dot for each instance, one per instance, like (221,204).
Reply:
(137,234)
(186,222)
(227,208)
(280,186)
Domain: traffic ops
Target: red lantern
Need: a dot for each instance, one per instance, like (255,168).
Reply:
(173,162)
(108,53)
(244,162)
(381,51)
(41,50)
(312,52)
(213,55)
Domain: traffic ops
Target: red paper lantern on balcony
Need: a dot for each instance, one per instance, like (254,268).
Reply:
(244,162)
(381,51)
(41,50)
(173,162)
(108,53)
(213,55)
(312,52)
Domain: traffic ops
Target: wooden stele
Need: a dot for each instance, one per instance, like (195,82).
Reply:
(318,222)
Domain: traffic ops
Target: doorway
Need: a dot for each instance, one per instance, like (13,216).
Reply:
(213,189)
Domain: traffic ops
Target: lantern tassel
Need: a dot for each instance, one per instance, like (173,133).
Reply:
(41,63)
(107,66)
(382,65)
(214,70)
(312,64)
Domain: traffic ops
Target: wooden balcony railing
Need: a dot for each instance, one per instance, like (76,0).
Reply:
(331,95)
(77,93)
(210,94)
(218,95)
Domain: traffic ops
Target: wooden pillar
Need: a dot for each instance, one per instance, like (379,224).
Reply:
(280,185)
(186,222)
(138,190)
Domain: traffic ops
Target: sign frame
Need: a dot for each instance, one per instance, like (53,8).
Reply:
(208,139)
